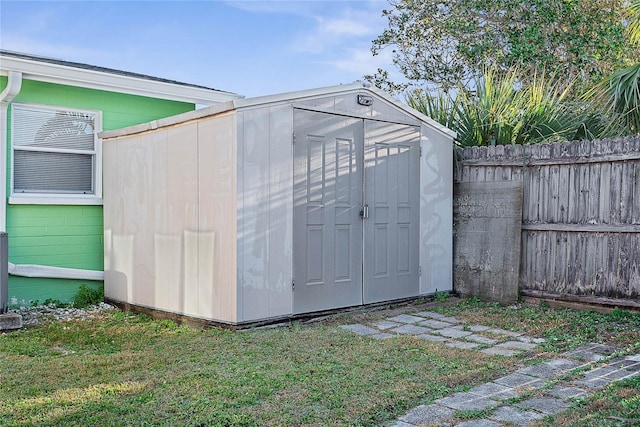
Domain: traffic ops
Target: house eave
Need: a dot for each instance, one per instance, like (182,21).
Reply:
(91,79)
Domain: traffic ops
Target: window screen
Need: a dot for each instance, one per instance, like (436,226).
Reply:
(54,150)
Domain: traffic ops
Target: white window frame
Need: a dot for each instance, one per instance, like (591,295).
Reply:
(35,198)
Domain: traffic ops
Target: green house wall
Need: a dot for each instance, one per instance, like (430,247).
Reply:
(67,235)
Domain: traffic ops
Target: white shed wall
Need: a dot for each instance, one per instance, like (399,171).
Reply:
(436,215)
(169,200)
(265,212)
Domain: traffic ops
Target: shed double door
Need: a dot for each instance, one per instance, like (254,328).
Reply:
(355,226)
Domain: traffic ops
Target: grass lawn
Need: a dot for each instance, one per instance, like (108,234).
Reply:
(120,369)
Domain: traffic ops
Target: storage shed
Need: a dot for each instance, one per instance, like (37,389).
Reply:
(266,208)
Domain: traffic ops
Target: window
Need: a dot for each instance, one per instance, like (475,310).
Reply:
(55,154)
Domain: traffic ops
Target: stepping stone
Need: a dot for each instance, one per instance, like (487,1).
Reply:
(563,364)
(634,357)
(599,372)
(429,337)
(385,324)
(515,416)
(478,328)
(481,339)
(434,324)
(493,351)
(405,318)
(519,380)
(539,371)
(592,352)
(430,314)
(410,330)
(567,392)
(517,345)
(621,374)
(504,332)
(527,339)
(494,391)
(467,402)
(453,333)
(360,329)
(452,320)
(427,414)
(546,405)
(479,423)
(625,363)
(596,383)
(462,344)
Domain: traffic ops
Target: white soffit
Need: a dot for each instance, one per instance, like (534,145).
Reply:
(91,79)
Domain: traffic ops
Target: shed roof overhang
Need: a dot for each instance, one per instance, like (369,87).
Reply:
(246,103)
(82,75)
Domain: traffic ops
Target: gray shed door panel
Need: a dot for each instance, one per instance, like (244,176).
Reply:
(327,259)
(391,157)
(341,164)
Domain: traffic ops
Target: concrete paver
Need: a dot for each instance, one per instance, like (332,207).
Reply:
(478,328)
(467,402)
(546,405)
(453,333)
(504,332)
(410,330)
(626,363)
(563,364)
(434,324)
(515,416)
(430,314)
(452,320)
(519,380)
(592,352)
(427,414)
(360,329)
(567,392)
(387,324)
(481,339)
(539,371)
(493,351)
(531,340)
(517,345)
(405,318)
(494,391)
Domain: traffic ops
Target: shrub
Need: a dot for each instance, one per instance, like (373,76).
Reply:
(87,296)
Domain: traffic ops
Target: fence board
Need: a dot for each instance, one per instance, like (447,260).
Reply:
(580,214)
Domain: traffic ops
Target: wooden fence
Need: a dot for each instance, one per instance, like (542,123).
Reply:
(580,215)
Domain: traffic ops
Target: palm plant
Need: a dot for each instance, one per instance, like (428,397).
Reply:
(620,92)
(499,112)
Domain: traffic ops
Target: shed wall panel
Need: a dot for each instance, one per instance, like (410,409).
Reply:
(217,183)
(265,216)
(169,207)
(436,217)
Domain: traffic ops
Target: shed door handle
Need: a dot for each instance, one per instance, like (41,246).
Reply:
(364,212)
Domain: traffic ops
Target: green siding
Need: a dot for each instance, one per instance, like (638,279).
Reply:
(68,236)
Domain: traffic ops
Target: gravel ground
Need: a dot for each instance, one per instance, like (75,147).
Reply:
(50,312)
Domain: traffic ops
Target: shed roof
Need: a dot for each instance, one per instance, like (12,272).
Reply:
(59,71)
(246,103)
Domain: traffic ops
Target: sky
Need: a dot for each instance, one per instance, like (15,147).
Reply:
(252,48)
